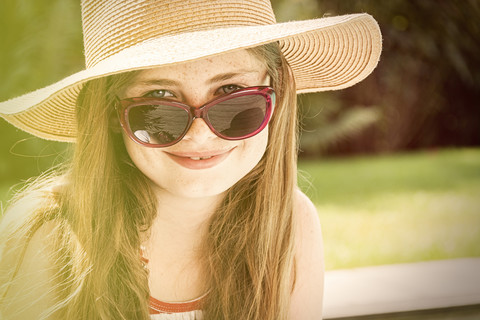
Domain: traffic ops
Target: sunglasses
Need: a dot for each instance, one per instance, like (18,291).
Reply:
(156,122)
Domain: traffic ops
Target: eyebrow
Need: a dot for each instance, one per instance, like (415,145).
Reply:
(229,75)
(159,82)
(218,78)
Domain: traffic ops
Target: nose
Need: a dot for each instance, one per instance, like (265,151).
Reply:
(199,132)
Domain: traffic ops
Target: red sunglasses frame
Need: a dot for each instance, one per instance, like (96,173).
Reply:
(197,113)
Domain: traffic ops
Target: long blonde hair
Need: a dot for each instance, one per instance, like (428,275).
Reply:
(105,206)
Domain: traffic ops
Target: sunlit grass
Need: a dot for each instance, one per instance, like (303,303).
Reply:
(393,209)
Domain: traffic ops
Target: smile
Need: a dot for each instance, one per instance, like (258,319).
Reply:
(199,160)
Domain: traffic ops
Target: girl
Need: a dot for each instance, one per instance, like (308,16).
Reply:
(180,200)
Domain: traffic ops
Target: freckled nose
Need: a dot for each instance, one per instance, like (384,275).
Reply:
(199,132)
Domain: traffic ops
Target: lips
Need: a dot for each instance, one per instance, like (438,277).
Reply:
(199,160)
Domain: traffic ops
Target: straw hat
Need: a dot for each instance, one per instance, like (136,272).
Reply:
(123,35)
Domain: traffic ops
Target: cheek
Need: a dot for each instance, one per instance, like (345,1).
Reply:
(253,150)
(145,159)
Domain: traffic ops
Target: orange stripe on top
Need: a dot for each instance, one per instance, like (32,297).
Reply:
(157,306)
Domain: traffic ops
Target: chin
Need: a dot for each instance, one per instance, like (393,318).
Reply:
(199,185)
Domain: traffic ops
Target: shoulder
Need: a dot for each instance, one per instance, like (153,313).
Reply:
(307,295)
(304,209)
(31,287)
(307,226)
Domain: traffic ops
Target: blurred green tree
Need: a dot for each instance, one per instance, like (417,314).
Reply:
(41,42)
(428,80)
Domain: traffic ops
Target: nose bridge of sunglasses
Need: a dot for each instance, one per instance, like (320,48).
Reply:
(197,112)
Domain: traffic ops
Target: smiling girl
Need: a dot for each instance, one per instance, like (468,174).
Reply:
(180,200)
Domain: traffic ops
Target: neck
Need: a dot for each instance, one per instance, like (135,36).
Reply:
(174,248)
(181,222)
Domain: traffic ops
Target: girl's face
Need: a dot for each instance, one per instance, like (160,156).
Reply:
(201,164)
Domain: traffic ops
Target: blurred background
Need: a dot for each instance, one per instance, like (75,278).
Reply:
(392,164)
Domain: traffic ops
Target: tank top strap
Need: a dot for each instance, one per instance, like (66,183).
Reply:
(157,306)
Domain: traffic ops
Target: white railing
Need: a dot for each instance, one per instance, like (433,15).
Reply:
(402,288)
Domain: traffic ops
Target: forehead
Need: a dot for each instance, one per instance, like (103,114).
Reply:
(241,62)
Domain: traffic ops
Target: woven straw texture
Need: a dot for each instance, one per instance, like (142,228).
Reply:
(325,54)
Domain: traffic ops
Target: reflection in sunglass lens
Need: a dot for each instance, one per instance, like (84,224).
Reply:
(157,124)
(239,116)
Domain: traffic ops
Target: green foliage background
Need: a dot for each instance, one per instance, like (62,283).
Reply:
(41,42)
(425,91)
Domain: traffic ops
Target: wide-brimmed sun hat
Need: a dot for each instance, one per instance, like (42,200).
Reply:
(123,35)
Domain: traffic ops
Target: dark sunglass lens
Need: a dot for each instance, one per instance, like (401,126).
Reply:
(238,116)
(157,124)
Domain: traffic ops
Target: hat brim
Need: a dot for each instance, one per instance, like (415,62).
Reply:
(325,54)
